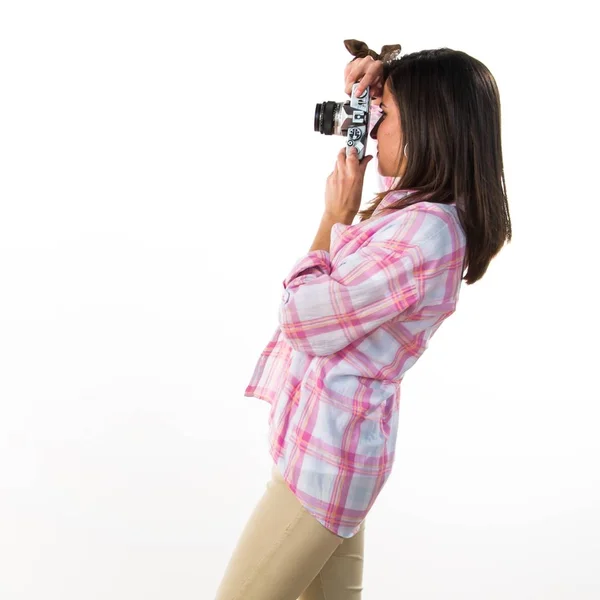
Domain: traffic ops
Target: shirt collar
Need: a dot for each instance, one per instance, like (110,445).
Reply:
(390,198)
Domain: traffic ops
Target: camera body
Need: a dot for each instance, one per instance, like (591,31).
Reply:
(350,119)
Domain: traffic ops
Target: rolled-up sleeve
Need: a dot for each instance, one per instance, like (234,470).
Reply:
(324,309)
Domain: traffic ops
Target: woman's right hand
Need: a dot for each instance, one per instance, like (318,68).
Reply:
(367,71)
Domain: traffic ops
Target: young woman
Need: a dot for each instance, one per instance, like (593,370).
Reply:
(357,312)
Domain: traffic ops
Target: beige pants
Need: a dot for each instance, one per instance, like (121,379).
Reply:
(284,553)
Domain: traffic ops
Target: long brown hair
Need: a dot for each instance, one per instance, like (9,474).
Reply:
(450,111)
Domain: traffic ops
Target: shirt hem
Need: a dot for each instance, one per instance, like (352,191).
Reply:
(338,533)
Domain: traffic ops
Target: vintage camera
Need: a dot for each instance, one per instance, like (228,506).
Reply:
(350,118)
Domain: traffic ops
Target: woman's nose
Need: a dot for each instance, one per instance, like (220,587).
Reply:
(373,133)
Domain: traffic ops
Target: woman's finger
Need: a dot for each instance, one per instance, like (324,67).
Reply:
(371,75)
(340,163)
(355,72)
(349,163)
(367,71)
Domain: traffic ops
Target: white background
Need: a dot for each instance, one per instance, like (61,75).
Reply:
(159,176)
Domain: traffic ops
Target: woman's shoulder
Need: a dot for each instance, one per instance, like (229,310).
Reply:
(418,221)
(432,227)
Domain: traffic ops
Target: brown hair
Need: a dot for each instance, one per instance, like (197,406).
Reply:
(450,110)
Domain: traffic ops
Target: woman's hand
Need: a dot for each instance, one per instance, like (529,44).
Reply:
(369,72)
(343,191)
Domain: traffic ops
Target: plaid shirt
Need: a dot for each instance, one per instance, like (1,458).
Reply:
(352,321)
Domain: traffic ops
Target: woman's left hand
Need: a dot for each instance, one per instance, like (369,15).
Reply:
(343,191)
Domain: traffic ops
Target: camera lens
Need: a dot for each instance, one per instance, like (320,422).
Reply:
(318,117)
(324,117)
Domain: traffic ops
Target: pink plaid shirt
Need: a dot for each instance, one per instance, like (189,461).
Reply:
(352,321)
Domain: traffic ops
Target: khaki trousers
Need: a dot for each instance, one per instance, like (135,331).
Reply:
(284,553)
